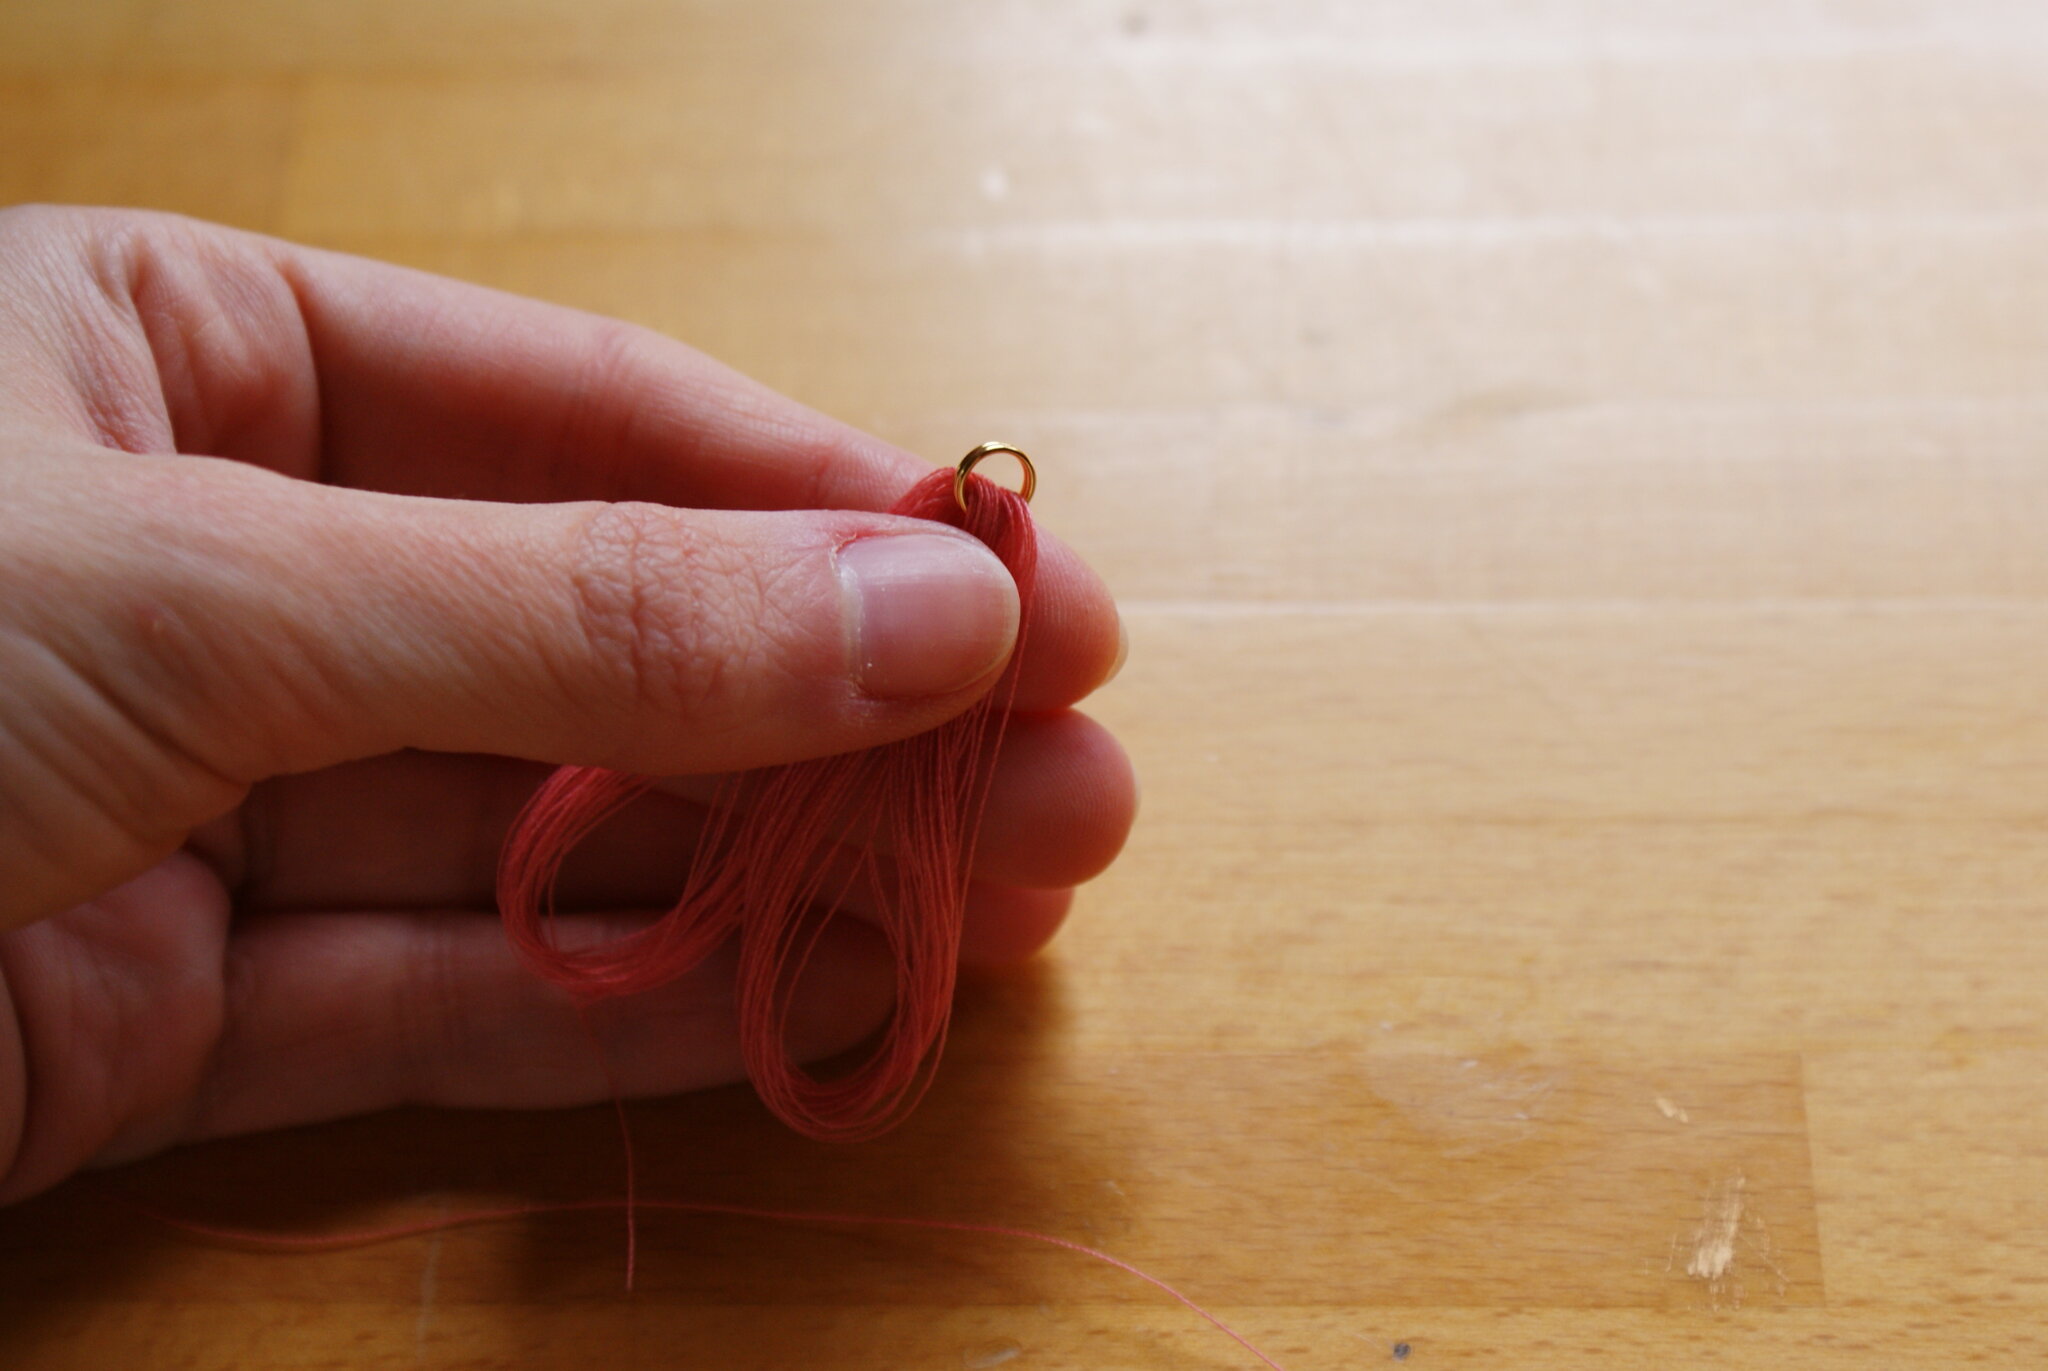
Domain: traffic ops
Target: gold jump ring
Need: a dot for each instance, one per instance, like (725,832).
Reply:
(973,458)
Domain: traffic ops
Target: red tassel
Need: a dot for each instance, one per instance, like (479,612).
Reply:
(761,870)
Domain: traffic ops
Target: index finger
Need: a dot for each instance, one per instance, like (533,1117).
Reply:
(338,368)
(433,386)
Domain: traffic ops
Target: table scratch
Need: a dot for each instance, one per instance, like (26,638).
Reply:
(1714,1242)
(429,1287)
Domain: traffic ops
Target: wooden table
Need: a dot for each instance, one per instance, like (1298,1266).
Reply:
(1577,476)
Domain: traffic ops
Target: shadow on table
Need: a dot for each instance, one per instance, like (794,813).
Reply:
(988,1145)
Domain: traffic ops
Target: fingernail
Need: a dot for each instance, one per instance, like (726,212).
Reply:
(1123,651)
(926,613)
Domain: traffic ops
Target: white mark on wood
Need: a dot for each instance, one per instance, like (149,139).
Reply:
(1672,1111)
(987,1357)
(995,184)
(1712,1256)
(1729,1237)
(430,1280)
(1760,1246)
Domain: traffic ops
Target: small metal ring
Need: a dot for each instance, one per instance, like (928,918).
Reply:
(969,462)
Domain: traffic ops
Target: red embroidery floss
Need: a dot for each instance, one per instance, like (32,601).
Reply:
(781,853)
(761,870)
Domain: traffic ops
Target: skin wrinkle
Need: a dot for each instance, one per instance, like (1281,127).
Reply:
(560,674)
(52,408)
(324,687)
(612,580)
(122,770)
(631,562)
(108,423)
(64,829)
(200,311)
(112,380)
(46,263)
(95,988)
(754,583)
(223,846)
(624,360)
(204,993)
(128,1035)
(799,576)
(28,1031)
(247,1000)
(584,428)
(238,976)
(279,399)
(318,419)
(15,1080)
(451,570)
(230,1086)
(168,339)
(266,682)
(427,1004)
(108,835)
(146,658)
(828,458)
(79,1032)
(216,397)
(213,789)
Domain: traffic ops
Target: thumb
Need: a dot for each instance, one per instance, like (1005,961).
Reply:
(630,635)
(261,625)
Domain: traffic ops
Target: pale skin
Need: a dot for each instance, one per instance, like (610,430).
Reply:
(311,567)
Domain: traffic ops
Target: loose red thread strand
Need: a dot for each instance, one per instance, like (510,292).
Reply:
(336,1241)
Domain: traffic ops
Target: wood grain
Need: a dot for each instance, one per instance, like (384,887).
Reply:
(1578,479)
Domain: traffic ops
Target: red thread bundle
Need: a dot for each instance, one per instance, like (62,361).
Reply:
(785,850)
(782,852)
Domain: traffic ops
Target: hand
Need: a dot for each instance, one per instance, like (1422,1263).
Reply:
(260,708)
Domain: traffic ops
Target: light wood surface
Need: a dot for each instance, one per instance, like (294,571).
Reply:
(1577,476)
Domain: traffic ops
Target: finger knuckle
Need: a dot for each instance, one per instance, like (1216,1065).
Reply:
(661,608)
